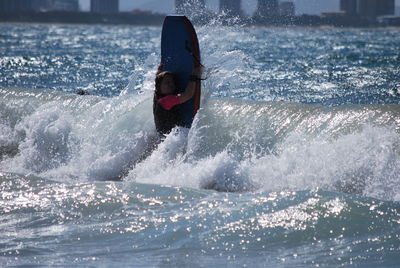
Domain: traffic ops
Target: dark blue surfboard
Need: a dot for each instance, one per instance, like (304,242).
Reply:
(179,53)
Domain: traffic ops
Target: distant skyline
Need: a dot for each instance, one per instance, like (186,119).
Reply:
(168,6)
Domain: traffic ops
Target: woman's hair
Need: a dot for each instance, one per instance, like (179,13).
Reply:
(158,80)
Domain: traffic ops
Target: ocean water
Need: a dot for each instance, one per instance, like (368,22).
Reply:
(292,161)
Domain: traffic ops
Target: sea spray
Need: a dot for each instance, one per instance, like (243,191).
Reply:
(292,160)
(113,137)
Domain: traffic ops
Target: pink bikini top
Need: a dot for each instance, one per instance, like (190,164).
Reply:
(168,102)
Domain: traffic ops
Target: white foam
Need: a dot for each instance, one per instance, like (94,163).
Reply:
(116,136)
(46,142)
(233,145)
(364,162)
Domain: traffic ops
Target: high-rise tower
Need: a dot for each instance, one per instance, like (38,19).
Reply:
(286,9)
(65,5)
(38,5)
(267,8)
(16,5)
(349,7)
(385,7)
(372,8)
(104,6)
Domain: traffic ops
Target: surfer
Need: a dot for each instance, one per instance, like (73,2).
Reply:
(166,100)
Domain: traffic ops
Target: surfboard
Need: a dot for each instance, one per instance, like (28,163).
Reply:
(179,54)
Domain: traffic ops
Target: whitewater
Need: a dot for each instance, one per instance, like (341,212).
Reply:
(293,159)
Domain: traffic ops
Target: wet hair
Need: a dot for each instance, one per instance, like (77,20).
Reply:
(158,80)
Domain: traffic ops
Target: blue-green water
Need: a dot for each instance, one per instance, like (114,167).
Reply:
(293,160)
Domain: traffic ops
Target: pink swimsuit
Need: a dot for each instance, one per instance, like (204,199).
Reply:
(169,101)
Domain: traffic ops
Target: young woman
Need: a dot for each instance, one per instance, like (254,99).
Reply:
(166,100)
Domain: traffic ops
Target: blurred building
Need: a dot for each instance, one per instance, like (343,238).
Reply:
(349,7)
(385,7)
(5,6)
(15,5)
(65,5)
(24,5)
(104,6)
(286,9)
(370,9)
(38,5)
(267,8)
(231,7)
(367,8)
(188,6)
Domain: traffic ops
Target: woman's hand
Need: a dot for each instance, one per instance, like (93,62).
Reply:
(191,87)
